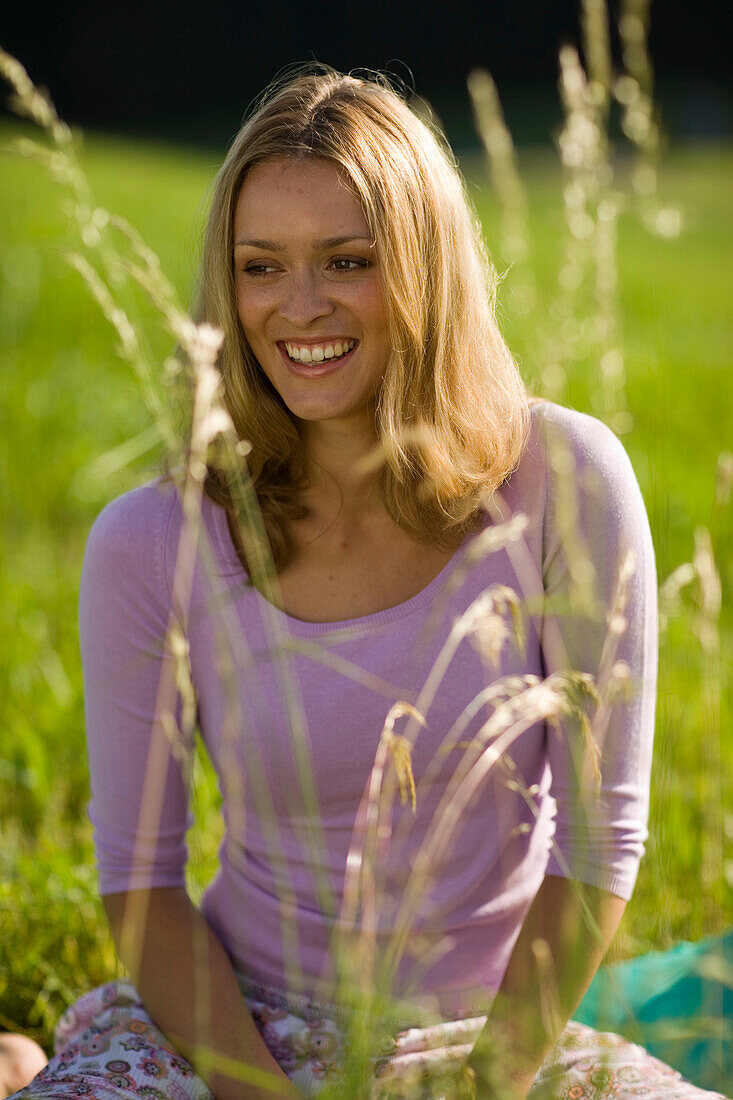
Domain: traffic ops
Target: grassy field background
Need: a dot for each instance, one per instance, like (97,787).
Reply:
(67,399)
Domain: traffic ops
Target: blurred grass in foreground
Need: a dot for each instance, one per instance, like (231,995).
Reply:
(67,400)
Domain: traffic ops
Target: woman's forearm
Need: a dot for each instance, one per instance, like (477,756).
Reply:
(560,946)
(188,986)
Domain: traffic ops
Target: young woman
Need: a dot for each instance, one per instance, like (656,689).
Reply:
(414,500)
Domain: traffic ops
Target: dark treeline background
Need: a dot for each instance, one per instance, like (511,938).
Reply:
(187,69)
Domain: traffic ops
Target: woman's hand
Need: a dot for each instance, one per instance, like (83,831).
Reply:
(430,1062)
(188,986)
(563,939)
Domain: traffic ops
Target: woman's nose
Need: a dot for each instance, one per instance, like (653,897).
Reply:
(305,298)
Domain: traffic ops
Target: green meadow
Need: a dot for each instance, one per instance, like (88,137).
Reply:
(75,432)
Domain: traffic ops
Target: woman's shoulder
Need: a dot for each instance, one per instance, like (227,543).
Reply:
(131,536)
(571,456)
(582,447)
(565,442)
(587,437)
(137,517)
(590,486)
(555,428)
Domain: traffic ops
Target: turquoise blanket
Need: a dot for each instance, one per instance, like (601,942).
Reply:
(678,1004)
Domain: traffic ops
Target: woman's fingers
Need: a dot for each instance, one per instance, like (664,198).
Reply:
(424,1063)
(423,1055)
(439,1035)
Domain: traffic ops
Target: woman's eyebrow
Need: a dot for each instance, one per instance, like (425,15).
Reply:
(335,242)
(268,246)
(275,246)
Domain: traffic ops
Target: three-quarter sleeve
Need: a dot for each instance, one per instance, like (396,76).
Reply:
(600,617)
(139,797)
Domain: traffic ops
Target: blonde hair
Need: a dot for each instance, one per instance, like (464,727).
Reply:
(452,411)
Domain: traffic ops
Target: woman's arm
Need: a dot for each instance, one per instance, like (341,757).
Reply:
(189,988)
(139,759)
(562,941)
(599,618)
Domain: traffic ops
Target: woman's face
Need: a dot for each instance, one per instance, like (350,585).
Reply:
(309,290)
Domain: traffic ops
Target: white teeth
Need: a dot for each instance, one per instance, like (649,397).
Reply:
(318,352)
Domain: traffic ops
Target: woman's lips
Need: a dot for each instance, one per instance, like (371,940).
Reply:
(314,370)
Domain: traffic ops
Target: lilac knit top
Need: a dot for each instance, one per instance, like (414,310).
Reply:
(292,712)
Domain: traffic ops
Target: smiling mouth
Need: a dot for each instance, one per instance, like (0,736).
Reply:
(327,352)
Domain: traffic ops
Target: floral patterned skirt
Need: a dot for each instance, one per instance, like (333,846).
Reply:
(108,1048)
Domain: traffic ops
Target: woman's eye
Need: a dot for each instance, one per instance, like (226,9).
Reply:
(349,263)
(258,269)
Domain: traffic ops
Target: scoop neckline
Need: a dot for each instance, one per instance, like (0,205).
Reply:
(232,567)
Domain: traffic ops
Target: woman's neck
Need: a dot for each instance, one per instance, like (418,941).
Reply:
(343,478)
